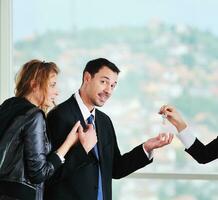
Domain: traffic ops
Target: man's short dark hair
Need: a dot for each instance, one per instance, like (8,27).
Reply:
(93,66)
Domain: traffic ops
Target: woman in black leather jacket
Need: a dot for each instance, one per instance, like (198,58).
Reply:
(25,158)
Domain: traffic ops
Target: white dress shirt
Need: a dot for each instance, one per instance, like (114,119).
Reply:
(86,113)
(186,137)
(84,110)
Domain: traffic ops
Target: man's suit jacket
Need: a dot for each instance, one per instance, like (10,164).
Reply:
(204,153)
(78,177)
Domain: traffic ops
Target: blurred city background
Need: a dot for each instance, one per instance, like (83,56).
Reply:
(167,52)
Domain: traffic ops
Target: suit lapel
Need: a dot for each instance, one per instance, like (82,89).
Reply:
(75,110)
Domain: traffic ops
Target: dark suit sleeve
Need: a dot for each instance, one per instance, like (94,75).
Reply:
(60,122)
(127,163)
(204,153)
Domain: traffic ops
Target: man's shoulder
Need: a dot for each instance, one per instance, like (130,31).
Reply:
(63,107)
(101,114)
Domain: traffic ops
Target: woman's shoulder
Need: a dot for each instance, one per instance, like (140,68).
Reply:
(35,118)
(35,113)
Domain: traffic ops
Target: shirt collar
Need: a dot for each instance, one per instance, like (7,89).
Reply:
(85,111)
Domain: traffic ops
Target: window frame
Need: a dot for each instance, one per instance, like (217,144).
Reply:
(5,49)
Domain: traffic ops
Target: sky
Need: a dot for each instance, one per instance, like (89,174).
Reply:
(39,16)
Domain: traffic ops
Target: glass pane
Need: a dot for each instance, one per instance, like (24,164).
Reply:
(167,52)
(131,189)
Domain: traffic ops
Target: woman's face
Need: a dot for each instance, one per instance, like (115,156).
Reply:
(52,91)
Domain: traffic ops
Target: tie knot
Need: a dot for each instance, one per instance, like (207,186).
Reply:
(90,119)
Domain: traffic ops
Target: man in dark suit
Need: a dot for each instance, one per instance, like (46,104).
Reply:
(88,176)
(200,152)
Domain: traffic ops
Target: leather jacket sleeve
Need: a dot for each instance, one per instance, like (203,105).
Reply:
(39,165)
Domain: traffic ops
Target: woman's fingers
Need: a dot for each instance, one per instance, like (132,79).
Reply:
(166,108)
(75,127)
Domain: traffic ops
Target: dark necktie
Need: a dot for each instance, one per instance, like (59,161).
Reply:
(90,120)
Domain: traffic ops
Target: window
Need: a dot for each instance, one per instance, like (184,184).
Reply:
(167,53)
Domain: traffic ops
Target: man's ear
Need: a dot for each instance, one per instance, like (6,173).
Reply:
(87,77)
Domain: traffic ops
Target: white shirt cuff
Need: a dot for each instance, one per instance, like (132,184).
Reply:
(148,154)
(186,137)
(61,158)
